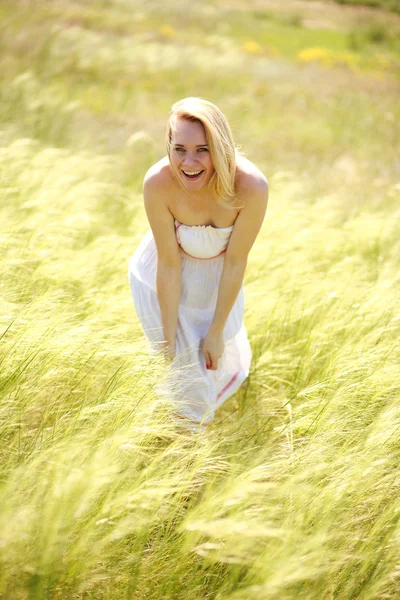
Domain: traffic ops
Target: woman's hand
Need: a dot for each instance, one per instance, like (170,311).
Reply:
(213,348)
(168,351)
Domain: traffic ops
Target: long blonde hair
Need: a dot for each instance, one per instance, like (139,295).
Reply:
(223,151)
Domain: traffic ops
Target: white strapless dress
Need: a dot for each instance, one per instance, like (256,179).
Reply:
(196,391)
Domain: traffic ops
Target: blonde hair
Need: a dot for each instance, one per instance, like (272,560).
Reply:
(223,151)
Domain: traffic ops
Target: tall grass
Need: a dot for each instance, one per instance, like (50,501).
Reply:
(293,491)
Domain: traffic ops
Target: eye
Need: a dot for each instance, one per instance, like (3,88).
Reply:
(179,149)
(203,149)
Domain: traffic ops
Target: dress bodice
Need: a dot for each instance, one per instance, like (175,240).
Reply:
(203,259)
(202,242)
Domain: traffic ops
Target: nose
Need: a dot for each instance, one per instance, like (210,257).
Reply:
(189,159)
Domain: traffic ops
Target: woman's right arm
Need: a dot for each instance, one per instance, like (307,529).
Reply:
(169,261)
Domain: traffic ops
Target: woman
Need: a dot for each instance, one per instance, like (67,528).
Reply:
(205,203)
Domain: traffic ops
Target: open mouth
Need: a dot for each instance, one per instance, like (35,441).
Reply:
(193,175)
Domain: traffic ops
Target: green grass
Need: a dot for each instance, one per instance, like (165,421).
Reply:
(293,491)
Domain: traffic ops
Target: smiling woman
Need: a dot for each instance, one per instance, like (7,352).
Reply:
(191,161)
(205,204)
(202,142)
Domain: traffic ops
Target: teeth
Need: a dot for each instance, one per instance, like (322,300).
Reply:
(192,172)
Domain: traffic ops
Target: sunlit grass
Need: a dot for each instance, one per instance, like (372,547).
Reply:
(292,492)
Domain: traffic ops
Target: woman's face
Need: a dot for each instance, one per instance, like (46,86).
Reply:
(190,156)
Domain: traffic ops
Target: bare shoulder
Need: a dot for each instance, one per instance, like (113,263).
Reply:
(249,178)
(155,196)
(252,192)
(251,187)
(159,176)
(156,187)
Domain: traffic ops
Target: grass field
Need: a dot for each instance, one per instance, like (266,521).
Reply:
(293,491)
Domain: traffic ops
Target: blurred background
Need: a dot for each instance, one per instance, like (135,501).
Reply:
(293,491)
(103,74)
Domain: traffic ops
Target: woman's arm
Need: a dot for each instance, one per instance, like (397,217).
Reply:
(169,260)
(247,226)
(229,287)
(168,285)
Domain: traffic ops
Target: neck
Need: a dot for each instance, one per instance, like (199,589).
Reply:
(203,195)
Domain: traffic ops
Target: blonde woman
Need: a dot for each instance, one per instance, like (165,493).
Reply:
(205,203)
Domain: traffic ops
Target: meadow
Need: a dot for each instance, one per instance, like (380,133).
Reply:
(293,491)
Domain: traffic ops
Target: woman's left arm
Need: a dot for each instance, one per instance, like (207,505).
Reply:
(247,226)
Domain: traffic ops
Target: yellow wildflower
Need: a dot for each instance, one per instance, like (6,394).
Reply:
(167,31)
(317,54)
(253,47)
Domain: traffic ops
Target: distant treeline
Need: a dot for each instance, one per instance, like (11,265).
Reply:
(391,5)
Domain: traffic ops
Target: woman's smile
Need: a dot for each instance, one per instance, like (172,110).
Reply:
(192,175)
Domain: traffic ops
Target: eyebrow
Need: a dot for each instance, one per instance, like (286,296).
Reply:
(199,146)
